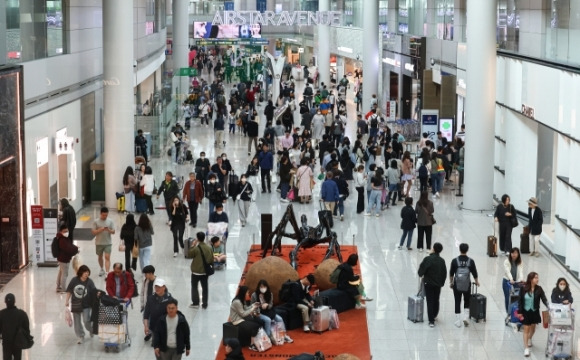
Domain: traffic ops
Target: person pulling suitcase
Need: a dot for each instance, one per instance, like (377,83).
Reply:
(460,271)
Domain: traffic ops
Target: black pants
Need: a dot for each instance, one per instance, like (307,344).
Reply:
(266,179)
(149,204)
(195,280)
(168,208)
(428,231)
(360,203)
(505,236)
(432,293)
(129,261)
(457,295)
(177,231)
(424,184)
(193,212)
(10,352)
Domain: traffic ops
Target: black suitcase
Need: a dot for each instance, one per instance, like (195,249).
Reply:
(477,305)
(524,244)
(325,215)
(233,183)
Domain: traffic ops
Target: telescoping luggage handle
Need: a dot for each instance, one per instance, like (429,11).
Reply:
(421,291)
(474,288)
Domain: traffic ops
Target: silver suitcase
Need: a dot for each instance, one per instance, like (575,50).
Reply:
(415,308)
(320,318)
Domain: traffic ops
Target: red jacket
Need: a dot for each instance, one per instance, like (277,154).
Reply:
(127,285)
(66,249)
(198,196)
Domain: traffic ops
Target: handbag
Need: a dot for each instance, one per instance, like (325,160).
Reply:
(514,218)
(122,246)
(135,251)
(545,318)
(209,270)
(68,318)
(23,339)
(291,195)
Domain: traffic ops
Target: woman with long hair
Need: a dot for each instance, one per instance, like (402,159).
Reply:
(129,183)
(513,275)
(407,172)
(305,179)
(561,294)
(148,183)
(529,308)
(241,316)
(243,196)
(178,221)
(504,213)
(263,296)
(144,239)
(424,209)
(128,237)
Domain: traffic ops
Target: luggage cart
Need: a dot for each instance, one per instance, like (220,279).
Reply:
(560,344)
(113,328)
(219,229)
(512,319)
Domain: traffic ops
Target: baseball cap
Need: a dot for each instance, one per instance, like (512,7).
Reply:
(159,282)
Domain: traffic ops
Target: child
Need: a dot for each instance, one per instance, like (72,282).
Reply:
(409,219)
(218,252)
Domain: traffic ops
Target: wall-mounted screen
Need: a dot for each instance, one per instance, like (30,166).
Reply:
(206,30)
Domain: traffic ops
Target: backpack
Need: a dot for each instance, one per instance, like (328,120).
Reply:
(462,276)
(308,91)
(55,249)
(423,171)
(366,155)
(374,121)
(334,275)
(285,293)
(136,291)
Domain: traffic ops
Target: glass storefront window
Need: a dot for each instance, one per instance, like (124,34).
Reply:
(34,29)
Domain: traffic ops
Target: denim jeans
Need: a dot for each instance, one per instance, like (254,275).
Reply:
(340,206)
(268,323)
(284,188)
(374,201)
(435,178)
(409,235)
(144,257)
(506,286)
(392,192)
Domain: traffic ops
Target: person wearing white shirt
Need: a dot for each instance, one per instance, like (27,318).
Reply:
(171,337)
(359,185)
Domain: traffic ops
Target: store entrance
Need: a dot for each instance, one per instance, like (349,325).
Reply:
(407,97)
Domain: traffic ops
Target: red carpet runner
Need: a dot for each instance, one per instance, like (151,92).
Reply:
(352,337)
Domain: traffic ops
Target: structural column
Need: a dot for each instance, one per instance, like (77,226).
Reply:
(370,52)
(323,62)
(118,94)
(180,43)
(480,105)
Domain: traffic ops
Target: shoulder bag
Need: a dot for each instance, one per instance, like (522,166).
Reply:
(209,270)
(23,339)
(514,218)
(431,217)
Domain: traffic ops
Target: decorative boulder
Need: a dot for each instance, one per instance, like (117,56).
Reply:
(346,357)
(272,269)
(322,274)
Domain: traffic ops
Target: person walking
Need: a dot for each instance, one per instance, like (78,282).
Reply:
(408,221)
(66,250)
(529,305)
(252,131)
(143,240)
(200,254)
(461,269)
(11,320)
(179,215)
(393,178)
(513,275)
(376,191)
(243,197)
(286,175)
(359,185)
(193,196)
(119,284)
(505,215)
(171,338)
(80,291)
(128,237)
(69,217)
(434,272)
(305,179)
(170,189)
(147,290)
(535,222)
(156,308)
(266,161)
(329,194)
(103,228)
(425,220)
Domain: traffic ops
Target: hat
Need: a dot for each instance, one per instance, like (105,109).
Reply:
(159,282)
(10,299)
(533,200)
(149,269)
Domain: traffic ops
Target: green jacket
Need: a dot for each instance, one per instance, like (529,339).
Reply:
(197,262)
(433,270)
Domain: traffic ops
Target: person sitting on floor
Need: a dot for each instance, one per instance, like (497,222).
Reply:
(219,256)
(241,316)
(263,296)
(302,300)
(233,349)
(351,283)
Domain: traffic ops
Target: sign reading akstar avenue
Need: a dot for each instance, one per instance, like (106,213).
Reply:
(287,18)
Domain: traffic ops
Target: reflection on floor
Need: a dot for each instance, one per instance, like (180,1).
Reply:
(390,277)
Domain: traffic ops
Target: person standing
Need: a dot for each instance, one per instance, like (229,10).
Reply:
(179,215)
(148,184)
(141,145)
(374,190)
(170,190)
(305,179)
(193,196)
(201,169)
(504,213)
(128,237)
(198,274)
(434,272)
(69,216)
(460,281)
(12,319)
(535,221)
(252,131)
(266,160)
(285,172)
(425,220)
(329,194)
(102,229)
(359,185)
(129,183)
(529,307)
(156,308)
(171,338)
(66,250)
(243,196)
(513,274)
(144,239)
(147,290)
(408,221)
(80,291)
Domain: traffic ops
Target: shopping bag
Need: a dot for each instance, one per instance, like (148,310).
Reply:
(122,246)
(291,196)
(68,318)
(334,321)
(76,261)
(279,333)
(274,179)
(545,318)
(262,341)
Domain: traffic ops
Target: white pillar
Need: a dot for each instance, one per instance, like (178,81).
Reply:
(370,52)
(180,43)
(480,105)
(118,94)
(323,62)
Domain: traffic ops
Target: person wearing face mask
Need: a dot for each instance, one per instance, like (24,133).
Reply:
(263,296)
(561,294)
(219,215)
(179,216)
(243,196)
(66,250)
(201,168)
(317,127)
(227,167)
(214,193)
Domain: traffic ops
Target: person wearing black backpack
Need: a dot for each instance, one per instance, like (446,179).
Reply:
(11,320)
(460,281)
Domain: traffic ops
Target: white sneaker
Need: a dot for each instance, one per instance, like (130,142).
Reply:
(174,254)
(527,352)
(367,214)
(437,194)
(102,272)
(421,250)
(377,215)
(360,306)
(284,200)
(306,328)
(458,323)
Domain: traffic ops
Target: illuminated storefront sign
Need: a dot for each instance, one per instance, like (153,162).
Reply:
(286,18)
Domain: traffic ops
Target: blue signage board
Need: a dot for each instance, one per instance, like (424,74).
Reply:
(229,6)
(261,5)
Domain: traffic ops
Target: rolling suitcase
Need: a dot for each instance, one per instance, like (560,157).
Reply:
(416,304)
(140,205)
(233,183)
(492,246)
(325,215)
(187,244)
(477,305)
(320,318)
(525,241)
(120,202)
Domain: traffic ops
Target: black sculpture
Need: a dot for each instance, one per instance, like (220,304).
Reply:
(306,236)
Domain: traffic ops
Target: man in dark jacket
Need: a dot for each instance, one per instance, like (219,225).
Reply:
(172,334)
(170,190)
(156,306)
(434,272)
(300,297)
(11,319)
(266,160)
(323,147)
(252,129)
(535,221)
(69,216)
(66,250)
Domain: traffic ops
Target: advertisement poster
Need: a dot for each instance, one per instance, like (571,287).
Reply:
(391,110)
(261,5)
(430,123)
(37,233)
(206,30)
(446,128)
(50,230)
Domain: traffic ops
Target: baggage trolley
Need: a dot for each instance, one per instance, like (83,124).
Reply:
(512,319)
(219,229)
(113,328)
(560,344)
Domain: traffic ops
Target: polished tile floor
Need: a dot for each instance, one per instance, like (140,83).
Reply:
(390,277)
